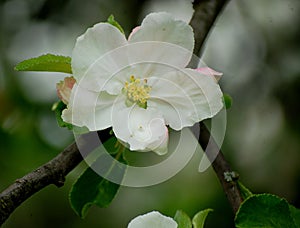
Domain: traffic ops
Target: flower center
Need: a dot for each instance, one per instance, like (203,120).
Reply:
(137,91)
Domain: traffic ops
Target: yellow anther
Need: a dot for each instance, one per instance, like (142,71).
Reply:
(137,91)
(132,78)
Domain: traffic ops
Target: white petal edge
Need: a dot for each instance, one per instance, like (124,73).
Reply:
(143,129)
(185,97)
(162,39)
(163,27)
(96,55)
(152,219)
(89,109)
(160,146)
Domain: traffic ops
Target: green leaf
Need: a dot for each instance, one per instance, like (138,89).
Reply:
(245,192)
(199,218)
(111,20)
(182,219)
(48,62)
(264,210)
(295,213)
(91,188)
(58,107)
(227,100)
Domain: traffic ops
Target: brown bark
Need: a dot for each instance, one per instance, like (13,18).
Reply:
(204,17)
(53,172)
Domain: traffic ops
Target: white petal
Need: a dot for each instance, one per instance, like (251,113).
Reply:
(143,129)
(164,40)
(89,109)
(152,220)
(97,55)
(161,146)
(185,97)
(162,27)
(151,58)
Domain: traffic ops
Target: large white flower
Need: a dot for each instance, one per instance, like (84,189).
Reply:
(139,86)
(151,220)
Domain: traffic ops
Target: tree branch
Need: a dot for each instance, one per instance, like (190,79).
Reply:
(226,176)
(55,171)
(205,14)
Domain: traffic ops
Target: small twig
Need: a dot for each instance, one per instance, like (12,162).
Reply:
(205,14)
(53,172)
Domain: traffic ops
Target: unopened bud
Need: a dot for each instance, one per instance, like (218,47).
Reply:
(64,89)
(208,71)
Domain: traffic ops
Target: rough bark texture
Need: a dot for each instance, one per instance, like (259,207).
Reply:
(221,168)
(54,172)
(205,14)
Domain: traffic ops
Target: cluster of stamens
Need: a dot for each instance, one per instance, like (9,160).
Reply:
(137,91)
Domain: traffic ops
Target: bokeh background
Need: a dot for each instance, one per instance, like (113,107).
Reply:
(254,43)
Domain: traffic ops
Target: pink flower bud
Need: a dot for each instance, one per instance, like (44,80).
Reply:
(210,72)
(134,31)
(64,89)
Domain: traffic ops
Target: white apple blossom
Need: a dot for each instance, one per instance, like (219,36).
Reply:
(140,86)
(151,220)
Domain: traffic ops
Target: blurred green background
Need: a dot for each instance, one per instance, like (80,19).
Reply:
(254,43)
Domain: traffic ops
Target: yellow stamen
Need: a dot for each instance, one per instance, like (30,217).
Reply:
(137,91)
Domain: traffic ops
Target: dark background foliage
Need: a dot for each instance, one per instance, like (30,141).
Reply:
(254,43)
